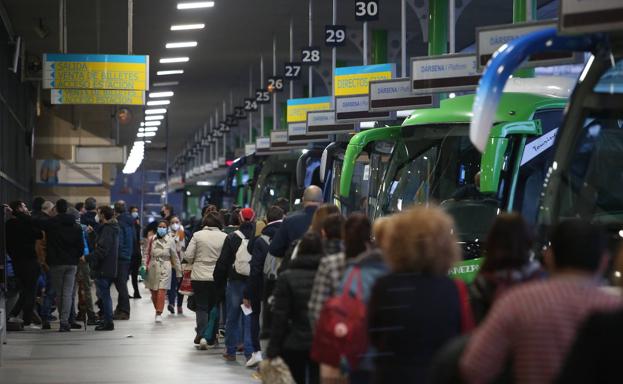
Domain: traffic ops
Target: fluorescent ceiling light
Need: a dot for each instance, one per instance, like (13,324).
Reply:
(195,5)
(186,27)
(154,95)
(156,111)
(168,60)
(172,72)
(146,134)
(159,102)
(183,44)
(154,117)
(152,123)
(165,83)
(148,129)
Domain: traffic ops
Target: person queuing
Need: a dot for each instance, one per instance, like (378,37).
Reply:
(508,263)
(161,266)
(202,254)
(41,220)
(137,259)
(230,273)
(90,218)
(533,326)
(176,231)
(126,248)
(262,280)
(21,235)
(295,225)
(65,247)
(416,308)
(104,259)
(291,334)
(357,239)
(86,312)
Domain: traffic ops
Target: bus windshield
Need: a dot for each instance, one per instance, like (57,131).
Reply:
(273,187)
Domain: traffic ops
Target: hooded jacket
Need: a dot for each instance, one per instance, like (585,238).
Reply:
(126,237)
(65,244)
(104,258)
(224,268)
(255,282)
(291,329)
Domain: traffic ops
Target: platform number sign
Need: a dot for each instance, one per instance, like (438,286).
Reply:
(239,113)
(310,55)
(262,96)
(334,35)
(275,84)
(250,105)
(223,127)
(231,120)
(366,10)
(292,71)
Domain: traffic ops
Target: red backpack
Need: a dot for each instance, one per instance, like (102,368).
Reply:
(342,329)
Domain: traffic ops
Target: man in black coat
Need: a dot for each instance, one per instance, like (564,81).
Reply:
(21,235)
(104,260)
(295,225)
(259,287)
(65,247)
(89,218)
(234,279)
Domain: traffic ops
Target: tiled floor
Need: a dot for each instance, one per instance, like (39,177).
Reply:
(137,351)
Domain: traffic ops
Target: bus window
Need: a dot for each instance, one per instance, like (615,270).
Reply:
(537,157)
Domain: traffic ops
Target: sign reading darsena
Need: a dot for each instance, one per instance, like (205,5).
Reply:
(445,73)
(298,108)
(76,71)
(97,96)
(355,80)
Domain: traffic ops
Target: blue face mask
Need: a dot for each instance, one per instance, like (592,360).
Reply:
(162,232)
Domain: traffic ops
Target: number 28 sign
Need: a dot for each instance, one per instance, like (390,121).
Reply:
(366,10)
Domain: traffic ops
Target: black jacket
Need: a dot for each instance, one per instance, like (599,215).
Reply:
(126,237)
(291,329)
(104,258)
(596,354)
(88,218)
(224,268)
(255,282)
(293,228)
(65,244)
(21,235)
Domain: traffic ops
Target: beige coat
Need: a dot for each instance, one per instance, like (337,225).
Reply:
(203,252)
(161,261)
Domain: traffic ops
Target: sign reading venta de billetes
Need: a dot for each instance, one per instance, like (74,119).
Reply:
(97,96)
(298,108)
(355,80)
(76,71)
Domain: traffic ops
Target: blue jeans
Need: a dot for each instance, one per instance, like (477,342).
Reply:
(103,292)
(48,299)
(172,295)
(233,297)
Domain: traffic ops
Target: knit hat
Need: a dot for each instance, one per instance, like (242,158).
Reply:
(247,214)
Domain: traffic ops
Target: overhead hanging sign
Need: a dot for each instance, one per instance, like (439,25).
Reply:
(490,38)
(356,109)
(394,95)
(582,16)
(97,96)
(355,80)
(279,141)
(103,154)
(297,108)
(249,149)
(445,73)
(323,122)
(63,172)
(76,71)
(297,134)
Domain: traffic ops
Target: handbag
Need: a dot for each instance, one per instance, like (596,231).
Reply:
(191,304)
(275,371)
(185,286)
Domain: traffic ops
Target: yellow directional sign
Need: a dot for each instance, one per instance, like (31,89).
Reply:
(350,81)
(297,108)
(75,71)
(97,96)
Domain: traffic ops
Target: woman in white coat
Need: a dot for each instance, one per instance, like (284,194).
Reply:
(202,253)
(161,263)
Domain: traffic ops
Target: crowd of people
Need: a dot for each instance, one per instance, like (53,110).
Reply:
(338,299)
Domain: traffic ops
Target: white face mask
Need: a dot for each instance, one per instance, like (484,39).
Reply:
(175,227)
(97,218)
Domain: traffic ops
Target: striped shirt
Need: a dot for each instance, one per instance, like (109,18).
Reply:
(532,327)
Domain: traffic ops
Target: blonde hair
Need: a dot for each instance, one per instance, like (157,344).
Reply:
(421,239)
(380,229)
(320,215)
